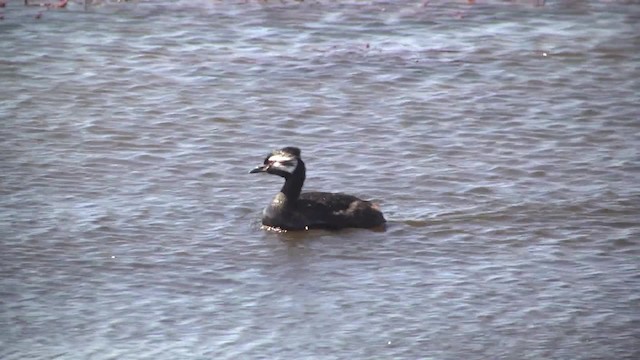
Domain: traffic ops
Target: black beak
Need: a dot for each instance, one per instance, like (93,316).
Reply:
(259,169)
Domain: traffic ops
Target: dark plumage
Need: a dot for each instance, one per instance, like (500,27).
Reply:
(293,210)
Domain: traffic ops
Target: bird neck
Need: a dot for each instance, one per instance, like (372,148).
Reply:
(293,183)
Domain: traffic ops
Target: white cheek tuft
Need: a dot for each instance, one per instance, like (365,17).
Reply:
(283,163)
(288,168)
(280,158)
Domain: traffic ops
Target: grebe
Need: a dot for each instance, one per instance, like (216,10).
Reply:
(293,210)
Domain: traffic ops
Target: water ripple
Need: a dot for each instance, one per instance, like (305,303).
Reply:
(499,138)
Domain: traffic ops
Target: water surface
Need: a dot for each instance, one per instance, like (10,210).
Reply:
(500,139)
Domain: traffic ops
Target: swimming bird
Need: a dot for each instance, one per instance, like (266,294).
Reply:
(293,210)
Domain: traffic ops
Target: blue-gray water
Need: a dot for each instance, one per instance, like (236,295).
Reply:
(501,140)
